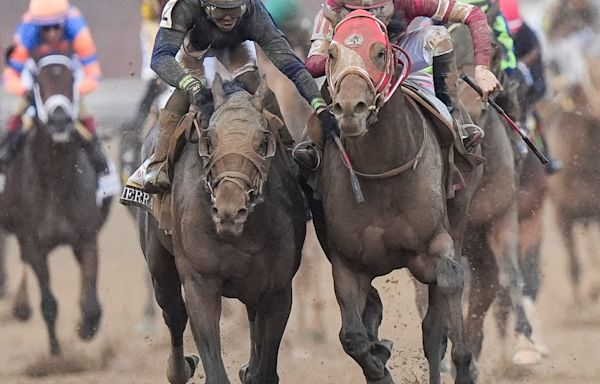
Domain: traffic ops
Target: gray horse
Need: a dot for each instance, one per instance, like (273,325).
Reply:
(238,232)
(50,195)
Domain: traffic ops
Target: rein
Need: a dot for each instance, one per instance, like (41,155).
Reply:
(412,164)
(254,195)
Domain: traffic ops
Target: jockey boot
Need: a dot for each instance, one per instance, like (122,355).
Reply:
(156,179)
(12,141)
(445,81)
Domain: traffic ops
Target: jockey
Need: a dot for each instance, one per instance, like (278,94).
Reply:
(52,27)
(192,30)
(528,51)
(426,46)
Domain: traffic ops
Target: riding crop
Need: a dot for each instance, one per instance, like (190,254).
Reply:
(508,120)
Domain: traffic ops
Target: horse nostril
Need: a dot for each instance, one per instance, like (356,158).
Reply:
(242,215)
(361,108)
(337,109)
(214,211)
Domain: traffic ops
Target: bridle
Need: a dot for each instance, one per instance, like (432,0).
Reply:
(383,84)
(44,108)
(253,188)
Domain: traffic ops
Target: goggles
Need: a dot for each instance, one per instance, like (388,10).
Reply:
(216,13)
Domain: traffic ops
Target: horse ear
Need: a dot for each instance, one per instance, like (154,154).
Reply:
(258,100)
(218,93)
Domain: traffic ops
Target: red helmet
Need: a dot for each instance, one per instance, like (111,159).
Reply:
(510,9)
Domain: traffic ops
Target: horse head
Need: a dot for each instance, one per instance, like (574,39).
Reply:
(237,149)
(361,71)
(55,97)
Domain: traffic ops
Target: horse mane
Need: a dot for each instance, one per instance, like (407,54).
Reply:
(208,107)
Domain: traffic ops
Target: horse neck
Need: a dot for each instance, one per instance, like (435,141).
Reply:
(56,163)
(394,139)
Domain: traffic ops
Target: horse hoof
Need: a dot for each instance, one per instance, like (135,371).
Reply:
(382,349)
(192,362)
(243,373)
(22,312)
(527,353)
(387,379)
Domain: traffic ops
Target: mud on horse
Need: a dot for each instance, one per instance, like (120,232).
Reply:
(50,194)
(239,230)
(405,220)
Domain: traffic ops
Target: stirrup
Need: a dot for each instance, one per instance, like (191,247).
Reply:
(307,155)
(474,136)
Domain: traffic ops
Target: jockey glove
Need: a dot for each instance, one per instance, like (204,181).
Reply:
(195,90)
(329,124)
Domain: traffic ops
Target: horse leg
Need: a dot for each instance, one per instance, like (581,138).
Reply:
(254,347)
(446,280)
(39,263)
(503,241)
(21,308)
(271,320)
(203,300)
(484,285)
(167,290)
(2,264)
(566,228)
(86,254)
(351,291)
(530,244)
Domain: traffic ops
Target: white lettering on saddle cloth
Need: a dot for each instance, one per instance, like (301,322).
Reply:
(137,197)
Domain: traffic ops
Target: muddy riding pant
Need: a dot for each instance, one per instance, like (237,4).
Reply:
(240,61)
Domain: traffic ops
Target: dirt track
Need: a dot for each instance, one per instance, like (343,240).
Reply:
(121,354)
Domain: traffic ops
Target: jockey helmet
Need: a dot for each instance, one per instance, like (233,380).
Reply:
(510,9)
(48,12)
(382,9)
(224,3)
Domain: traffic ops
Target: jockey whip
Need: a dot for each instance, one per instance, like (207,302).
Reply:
(508,120)
(356,189)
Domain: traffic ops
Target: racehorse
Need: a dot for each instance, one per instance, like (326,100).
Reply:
(50,194)
(492,237)
(405,219)
(574,119)
(238,232)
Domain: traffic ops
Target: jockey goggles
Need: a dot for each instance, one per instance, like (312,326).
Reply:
(217,13)
(50,27)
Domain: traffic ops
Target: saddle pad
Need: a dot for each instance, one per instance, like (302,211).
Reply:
(421,85)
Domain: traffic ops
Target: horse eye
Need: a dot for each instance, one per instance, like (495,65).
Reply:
(263,147)
(381,53)
(331,54)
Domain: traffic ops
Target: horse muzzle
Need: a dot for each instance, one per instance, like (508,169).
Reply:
(229,210)
(352,115)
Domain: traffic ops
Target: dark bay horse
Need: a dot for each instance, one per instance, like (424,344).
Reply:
(492,237)
(50,194)
(238,232)
(405,220)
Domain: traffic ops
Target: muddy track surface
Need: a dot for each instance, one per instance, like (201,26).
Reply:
(126,351)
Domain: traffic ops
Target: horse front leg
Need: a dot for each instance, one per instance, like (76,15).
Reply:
(203,300)
(38,260)
(86,254)
(445,278)
(167,290)
(503,237)
(270,323)
(351,291)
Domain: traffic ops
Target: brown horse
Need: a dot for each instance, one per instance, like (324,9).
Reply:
(405,220)
(574,120)
(492,237)
(238,232)
(50,195)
